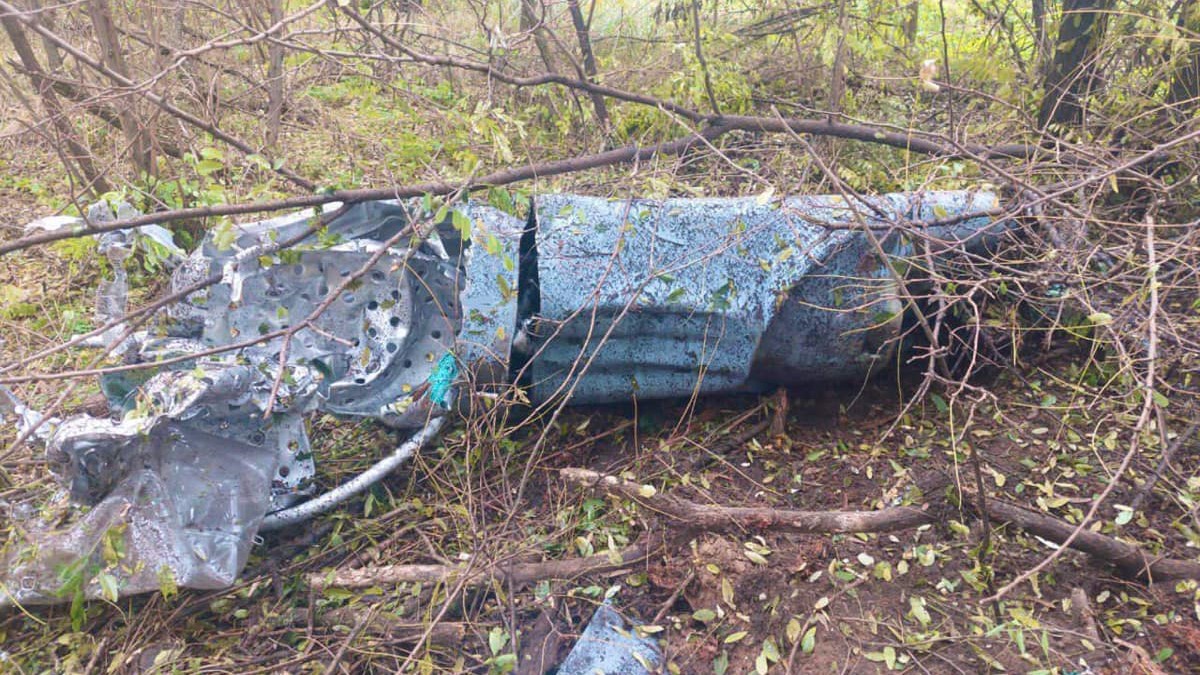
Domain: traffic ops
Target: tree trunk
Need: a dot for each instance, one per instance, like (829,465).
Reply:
(708,88)
(44,88)
(1185,85)
(589,60)
(1071,72)
(54,61)
(114,59)
(275,88)
(1039,34)
(911,21)
(533,19)
(837,75)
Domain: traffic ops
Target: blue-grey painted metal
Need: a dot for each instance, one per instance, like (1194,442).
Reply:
(657,299)
(489,295)
(611,647)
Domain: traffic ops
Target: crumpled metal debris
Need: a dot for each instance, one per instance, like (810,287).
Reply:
(182,481)
(16,413)
(116,247)
(588,300)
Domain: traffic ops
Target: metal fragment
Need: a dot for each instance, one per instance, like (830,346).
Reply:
(608,645)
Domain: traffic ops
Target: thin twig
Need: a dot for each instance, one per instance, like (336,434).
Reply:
(1165,461)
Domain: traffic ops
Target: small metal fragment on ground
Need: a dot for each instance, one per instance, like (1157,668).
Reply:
(609,646)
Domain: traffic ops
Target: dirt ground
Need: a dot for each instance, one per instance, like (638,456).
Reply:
(909,600)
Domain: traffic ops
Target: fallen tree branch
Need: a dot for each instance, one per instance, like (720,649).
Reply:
(623,155)
(1132,561)
(1129,559)
(631,153)
(377,623)
(723,518)
(515,573)
(869,134)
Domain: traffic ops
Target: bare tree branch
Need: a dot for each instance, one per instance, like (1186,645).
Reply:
(11,13)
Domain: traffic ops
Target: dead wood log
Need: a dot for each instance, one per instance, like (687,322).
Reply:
(1130,560)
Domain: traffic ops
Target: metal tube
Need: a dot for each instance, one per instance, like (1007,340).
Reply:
(318,505)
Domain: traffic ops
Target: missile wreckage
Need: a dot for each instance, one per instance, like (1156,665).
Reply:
(384,310)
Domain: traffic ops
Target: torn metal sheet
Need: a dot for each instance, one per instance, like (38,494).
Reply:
(587,300)
(116,247)
(20,416)
(669,298)
(182,481)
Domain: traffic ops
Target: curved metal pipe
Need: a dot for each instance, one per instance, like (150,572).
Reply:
(317,505)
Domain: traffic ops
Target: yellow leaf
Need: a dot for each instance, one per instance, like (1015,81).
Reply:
(793,630)
(727,592)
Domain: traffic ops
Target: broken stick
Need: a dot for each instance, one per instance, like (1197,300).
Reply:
(1129,559)
(723,518)
(480,574)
